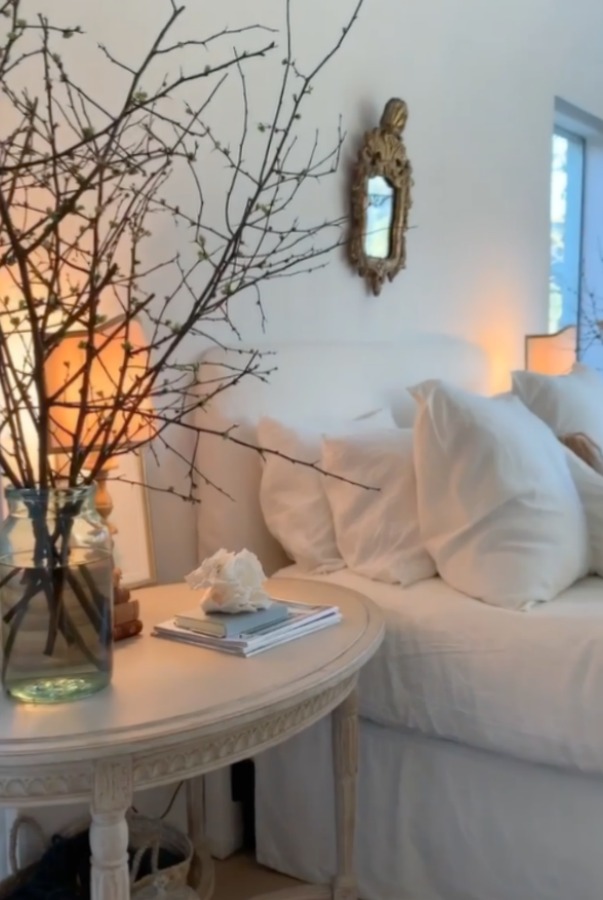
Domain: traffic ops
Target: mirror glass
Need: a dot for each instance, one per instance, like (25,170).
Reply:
(379,218)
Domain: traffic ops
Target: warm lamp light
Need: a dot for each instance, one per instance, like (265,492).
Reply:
(552,354)
(121,361)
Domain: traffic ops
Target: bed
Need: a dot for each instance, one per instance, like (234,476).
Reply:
(481,746)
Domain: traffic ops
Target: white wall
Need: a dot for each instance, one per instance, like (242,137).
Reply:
(479,77)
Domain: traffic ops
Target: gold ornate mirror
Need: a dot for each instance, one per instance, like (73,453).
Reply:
(381,199)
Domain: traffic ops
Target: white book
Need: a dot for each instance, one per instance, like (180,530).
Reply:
(303,619)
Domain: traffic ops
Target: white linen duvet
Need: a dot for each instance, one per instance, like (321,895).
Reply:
(525,684)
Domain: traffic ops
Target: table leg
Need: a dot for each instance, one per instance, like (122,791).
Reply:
(111,799)
(345,769)
(195,809)
(345,766)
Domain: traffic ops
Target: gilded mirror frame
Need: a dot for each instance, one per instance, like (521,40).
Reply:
(382,155)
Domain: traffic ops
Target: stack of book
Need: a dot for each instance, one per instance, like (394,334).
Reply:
(126,611)
(246,634)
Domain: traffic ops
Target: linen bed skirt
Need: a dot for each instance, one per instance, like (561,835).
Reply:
(436,820)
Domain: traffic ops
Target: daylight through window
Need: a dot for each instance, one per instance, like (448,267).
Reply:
(567,195)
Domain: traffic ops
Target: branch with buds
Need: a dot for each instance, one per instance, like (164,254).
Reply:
(86,186)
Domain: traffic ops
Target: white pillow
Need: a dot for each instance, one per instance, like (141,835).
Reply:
(590,488)
(292,497)
(567,403)
(498,508)
(377,531)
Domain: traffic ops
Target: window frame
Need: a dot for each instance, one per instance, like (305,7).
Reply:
(573,119)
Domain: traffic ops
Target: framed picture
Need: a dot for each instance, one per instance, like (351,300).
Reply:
(132,542)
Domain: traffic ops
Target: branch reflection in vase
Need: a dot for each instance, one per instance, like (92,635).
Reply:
(55,591)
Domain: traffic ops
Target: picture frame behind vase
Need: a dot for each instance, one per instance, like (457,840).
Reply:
(132,541)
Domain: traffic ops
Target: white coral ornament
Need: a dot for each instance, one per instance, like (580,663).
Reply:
(230,582)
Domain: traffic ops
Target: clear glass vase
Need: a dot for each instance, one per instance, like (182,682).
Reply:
(56,595)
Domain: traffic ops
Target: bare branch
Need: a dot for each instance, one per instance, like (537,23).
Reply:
(87,186)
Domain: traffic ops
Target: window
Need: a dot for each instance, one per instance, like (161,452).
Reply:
(567,209)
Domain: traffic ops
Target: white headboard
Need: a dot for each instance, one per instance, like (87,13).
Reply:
(342,380)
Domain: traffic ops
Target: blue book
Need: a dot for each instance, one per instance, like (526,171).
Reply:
(232,625)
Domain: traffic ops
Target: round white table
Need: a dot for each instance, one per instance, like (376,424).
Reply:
(174,712)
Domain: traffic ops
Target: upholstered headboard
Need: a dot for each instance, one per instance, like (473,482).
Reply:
(309,380)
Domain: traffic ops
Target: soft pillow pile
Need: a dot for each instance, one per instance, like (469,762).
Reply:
(362,515)
(567,403)
(590,488)
(377,529)
(292,496)
(498,508)
(572,406)
(480,491)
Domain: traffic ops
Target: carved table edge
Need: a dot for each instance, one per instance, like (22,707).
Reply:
(51,783)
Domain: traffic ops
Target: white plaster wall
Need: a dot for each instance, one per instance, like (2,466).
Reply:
(479,77)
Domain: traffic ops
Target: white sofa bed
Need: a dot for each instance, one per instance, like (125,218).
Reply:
(481,732)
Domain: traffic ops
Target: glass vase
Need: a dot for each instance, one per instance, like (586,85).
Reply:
(56,595)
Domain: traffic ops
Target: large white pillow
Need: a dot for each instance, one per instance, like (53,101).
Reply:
(590,488)
(292,496)
(498,508)
(377,530)
(567,403)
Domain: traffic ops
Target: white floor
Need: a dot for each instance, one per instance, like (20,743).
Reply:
(240,878)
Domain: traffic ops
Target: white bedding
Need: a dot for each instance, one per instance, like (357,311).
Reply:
(525,684)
